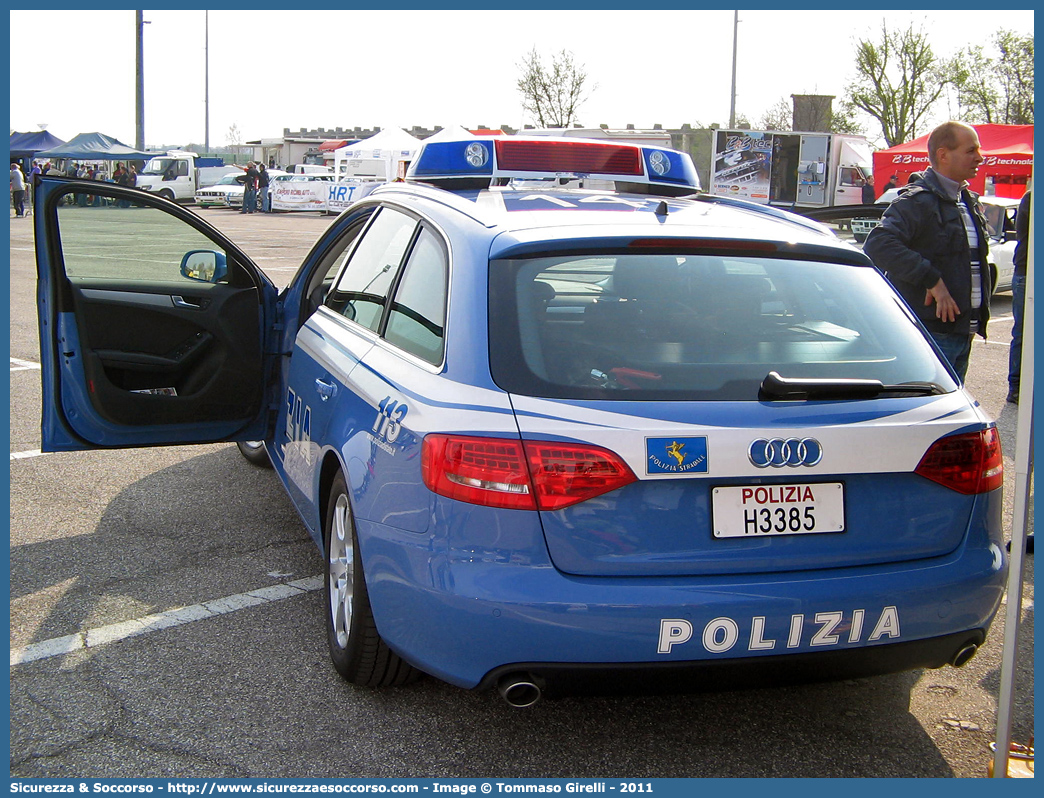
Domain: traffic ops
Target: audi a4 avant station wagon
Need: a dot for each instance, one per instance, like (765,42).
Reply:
(555,420)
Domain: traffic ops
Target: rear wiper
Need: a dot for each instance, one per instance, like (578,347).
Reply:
(775,387)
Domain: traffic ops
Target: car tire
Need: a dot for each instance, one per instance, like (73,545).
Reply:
(167,194)
(255,453)
(859,237)
(357,651)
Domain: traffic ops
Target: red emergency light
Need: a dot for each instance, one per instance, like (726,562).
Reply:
(570,157)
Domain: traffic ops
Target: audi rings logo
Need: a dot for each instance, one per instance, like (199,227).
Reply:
(790,452)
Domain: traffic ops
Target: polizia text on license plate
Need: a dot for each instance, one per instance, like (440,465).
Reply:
(758,510)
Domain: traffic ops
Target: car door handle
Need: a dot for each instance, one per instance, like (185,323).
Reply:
(325,389)
(193,303)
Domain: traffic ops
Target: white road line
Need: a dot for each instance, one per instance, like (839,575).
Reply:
(115,632)
(22,365)
(26,455)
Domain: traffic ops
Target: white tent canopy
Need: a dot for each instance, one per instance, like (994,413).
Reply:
(376,158)
(451,133)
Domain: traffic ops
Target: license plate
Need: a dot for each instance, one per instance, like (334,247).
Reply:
(750,511)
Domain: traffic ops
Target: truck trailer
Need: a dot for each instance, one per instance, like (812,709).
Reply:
(179,174)
(790,169)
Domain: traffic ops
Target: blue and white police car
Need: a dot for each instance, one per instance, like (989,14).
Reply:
(555,420)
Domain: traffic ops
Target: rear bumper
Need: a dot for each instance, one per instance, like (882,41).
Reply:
(741,673)
(468,620)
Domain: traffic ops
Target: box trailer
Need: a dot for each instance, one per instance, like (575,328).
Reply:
(790,169)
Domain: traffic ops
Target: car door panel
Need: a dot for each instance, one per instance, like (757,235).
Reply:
(137,346)
(145,355)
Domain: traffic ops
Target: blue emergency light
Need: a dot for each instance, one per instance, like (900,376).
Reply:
(478,163)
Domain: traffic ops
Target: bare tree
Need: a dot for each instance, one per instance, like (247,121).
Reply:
(898,81)
(233,139)
(552,94)
(779,117)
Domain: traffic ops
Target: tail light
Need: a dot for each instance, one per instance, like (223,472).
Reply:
(969,463)
(520,475)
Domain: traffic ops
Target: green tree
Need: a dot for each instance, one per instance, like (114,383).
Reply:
(996,90)
(844,120)
(552,94)
(898,81)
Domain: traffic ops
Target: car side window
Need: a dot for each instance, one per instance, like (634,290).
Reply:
(416,322)
(362,289)
(102,239)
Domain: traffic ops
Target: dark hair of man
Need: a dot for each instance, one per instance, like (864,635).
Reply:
(944,136)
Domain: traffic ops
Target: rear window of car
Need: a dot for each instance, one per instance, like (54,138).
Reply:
(698,327)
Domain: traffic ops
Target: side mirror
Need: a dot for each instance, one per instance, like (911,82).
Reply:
(204,265)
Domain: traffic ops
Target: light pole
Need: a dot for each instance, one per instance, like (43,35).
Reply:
(139,83)
(735,39)
(206,82)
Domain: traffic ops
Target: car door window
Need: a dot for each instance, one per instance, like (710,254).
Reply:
(417,318)
(132,244)
(363,286)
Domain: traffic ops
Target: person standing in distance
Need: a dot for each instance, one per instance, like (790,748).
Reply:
(250,189)
(1018,295)
(17,189)
(932,245)
(262,188)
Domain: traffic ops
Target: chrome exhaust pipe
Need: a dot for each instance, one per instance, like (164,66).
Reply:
(519,690)
(964,654)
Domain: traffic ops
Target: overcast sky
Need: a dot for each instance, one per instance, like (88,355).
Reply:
(270,70)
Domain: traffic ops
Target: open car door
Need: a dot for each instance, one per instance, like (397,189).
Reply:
(154,328)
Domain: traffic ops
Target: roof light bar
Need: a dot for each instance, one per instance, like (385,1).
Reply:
(475,162)
(570,157)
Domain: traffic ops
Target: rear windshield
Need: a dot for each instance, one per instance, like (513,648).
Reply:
(656,326)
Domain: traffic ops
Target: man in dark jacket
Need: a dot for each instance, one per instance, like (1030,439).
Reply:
(933,245)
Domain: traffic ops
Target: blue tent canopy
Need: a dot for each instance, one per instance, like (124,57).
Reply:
(95,147)
(26,145)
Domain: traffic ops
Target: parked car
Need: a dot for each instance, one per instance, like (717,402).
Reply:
(553,439)
(216,196)
(1000,215)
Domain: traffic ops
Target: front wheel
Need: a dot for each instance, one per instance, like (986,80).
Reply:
(255,453)
(358,653)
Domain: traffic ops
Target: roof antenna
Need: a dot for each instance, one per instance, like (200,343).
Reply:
(661,209)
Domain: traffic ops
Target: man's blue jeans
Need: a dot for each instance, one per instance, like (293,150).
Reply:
(249,200)
(1018,307)
(957,348)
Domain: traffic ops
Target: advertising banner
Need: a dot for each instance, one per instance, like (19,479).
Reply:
(742,165)
(343,193)
(299,195)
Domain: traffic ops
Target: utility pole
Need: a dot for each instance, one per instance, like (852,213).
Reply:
(139,93)
(206,82)
(735,39)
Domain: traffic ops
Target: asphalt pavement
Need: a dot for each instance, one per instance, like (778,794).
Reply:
(166,622)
